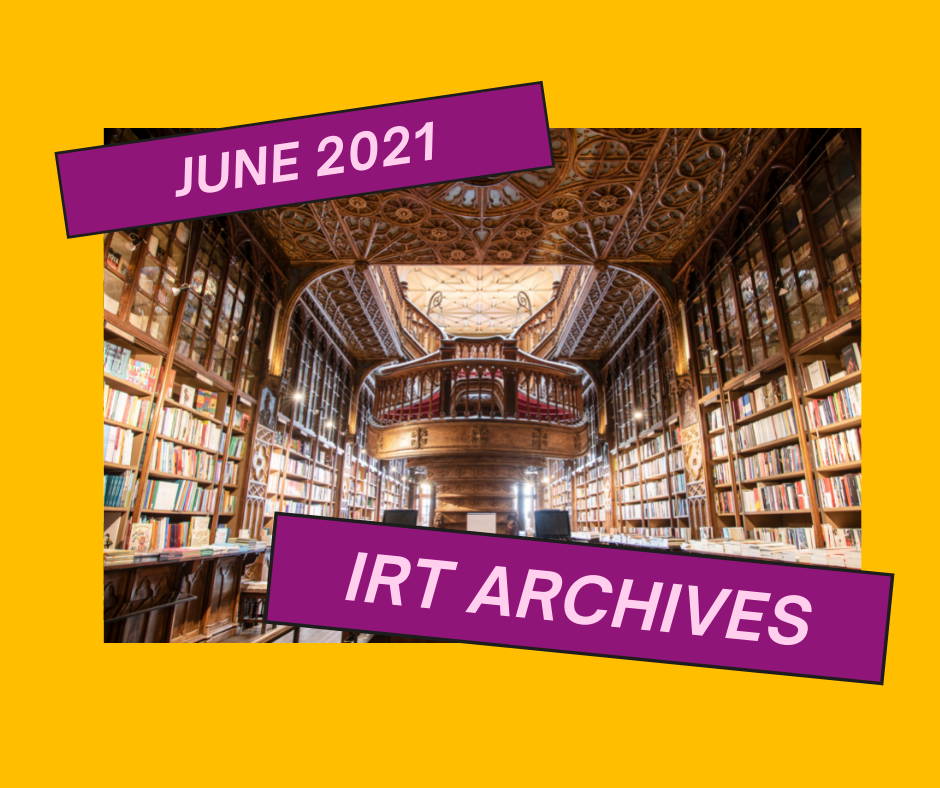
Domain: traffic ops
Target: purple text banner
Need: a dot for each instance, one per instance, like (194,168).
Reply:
(305,159)
(363,576)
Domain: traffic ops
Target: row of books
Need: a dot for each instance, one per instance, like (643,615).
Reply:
(676,463)
(119,363)
(843,404)
(654,468)
(838,448)
(630,494)
(801,538)
(633,511)
(655,489)
(298,467)
(785,459)
(118,488)
(170,534)
(668,531)
(631,458)
(770,428)
(630,476)
(715,420)
(302,447)
(229,501)
(204,401)
(241,420)
(126,408)
(653,447)
(159,533)
(767,396)
(678,483)
(842,537)
(323,475)
(776,497)
(178,496)
(324,495)
(657,510)
(719,446)
(680,508)
(724,501)
(181,425)
(721,473)
(840,491)
(296,489)
(818,374)
(118,445)
(167,457)
(236,446)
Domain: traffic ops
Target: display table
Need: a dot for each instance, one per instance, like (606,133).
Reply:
(213,582)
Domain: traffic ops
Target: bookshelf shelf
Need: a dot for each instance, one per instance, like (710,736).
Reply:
(129,388)
(838,426)
(118,466)
(124,425)
(840,509)
(778,408)
(200,414)
(776,511)
(175,513)
(767,479)
(767,446)
(826,470)
(165,475)
(834,386)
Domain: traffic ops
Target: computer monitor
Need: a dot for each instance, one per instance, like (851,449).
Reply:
(552,524)
(401,516)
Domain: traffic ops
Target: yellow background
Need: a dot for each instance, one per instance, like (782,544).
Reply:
(78,712)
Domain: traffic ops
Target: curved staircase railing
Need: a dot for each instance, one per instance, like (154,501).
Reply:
(436,388)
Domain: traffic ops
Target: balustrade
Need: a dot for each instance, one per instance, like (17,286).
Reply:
(423,330)
(478,388)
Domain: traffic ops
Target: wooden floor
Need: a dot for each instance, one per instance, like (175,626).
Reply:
(286,635)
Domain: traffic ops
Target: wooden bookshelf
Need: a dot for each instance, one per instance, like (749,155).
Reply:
(777,297)
(394,486)
(133,407)
(190,297)
(648,470)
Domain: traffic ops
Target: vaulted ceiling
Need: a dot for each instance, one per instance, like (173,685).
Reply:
(636,195)
(479,299)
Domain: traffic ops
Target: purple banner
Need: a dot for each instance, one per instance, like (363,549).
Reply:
(584,599)
(318,157)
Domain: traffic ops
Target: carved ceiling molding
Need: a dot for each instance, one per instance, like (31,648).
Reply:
(749,169)
(623,298)
(582,318)
(340,304)
(381,330)
(612,195)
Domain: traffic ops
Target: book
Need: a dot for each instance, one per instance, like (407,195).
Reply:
(140,537)
(852,358)
(818,374)
(221,535)
(187,396)
(206,401)
(201,534)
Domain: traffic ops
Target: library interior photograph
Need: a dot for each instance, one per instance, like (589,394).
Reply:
(656,342)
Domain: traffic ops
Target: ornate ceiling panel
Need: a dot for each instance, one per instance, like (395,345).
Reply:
(622,299)
(479,299)
(345,299)
(612,194)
